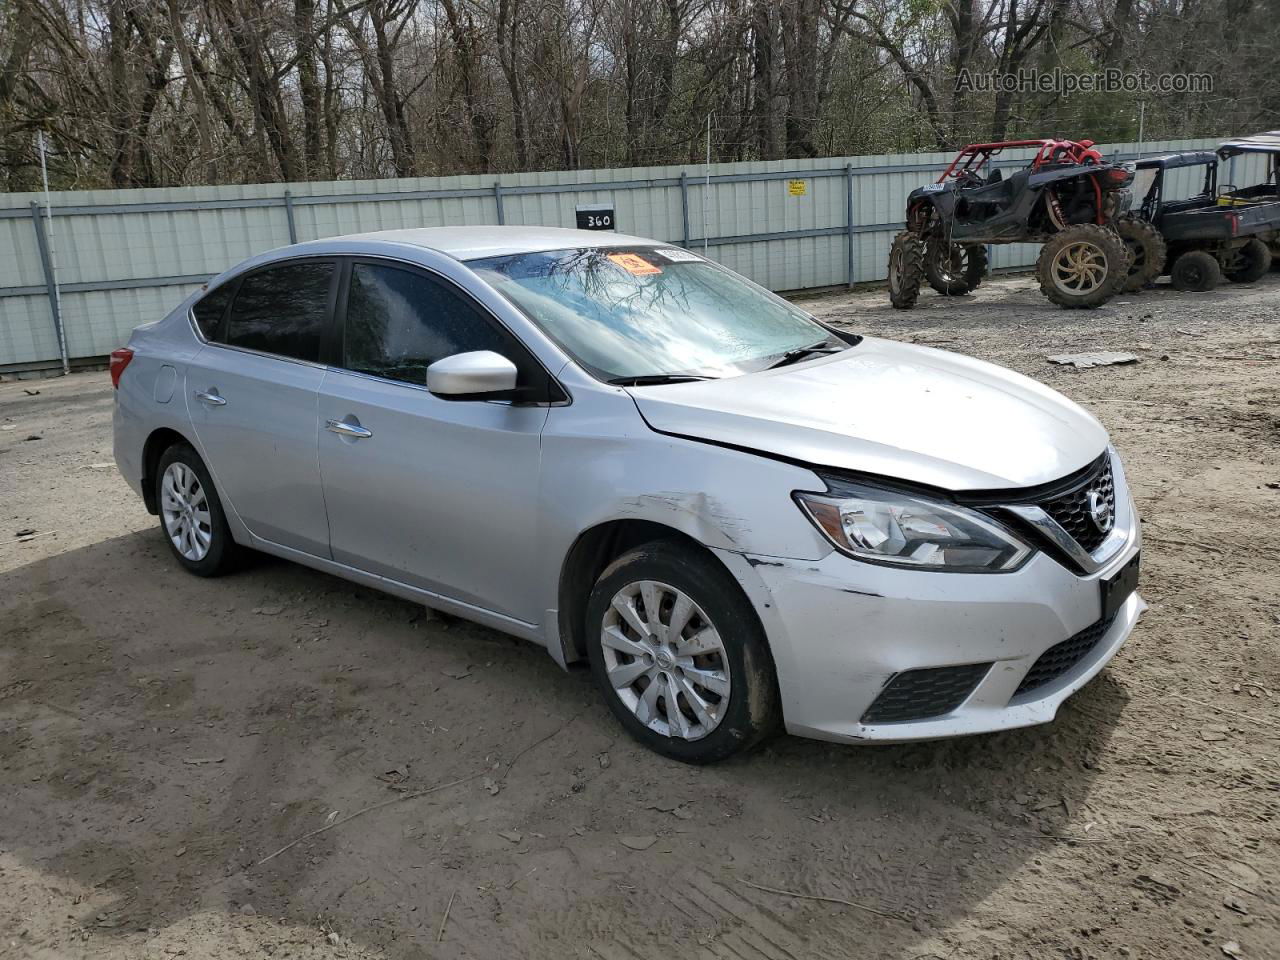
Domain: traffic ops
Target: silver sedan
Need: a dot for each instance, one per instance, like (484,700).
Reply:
(741,518)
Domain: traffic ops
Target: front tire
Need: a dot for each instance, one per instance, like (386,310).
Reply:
(191,515)
(679,654)
(1082,266)
(1196,271)
(955,269)
(906,270)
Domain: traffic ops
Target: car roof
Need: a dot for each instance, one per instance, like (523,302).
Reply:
(1268,142)
(471,243)
(458,243)
(1191,158)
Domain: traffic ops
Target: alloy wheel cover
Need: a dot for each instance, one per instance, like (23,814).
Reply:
(184,511)
(665,660)
(1079,268)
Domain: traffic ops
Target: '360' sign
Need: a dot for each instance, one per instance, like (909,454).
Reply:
(596,216)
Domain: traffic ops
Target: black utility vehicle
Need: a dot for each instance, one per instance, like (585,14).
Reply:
(1066,197)
(1223,230)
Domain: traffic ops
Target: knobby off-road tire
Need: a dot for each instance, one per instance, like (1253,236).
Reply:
(1196,271)
(1082,266)
(1250,263)
(1147,251)
(906,269)
(191,515)
(679,654)
(955,269)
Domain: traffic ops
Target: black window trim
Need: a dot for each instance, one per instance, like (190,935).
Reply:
(332,346)
(232,285)
(326,330)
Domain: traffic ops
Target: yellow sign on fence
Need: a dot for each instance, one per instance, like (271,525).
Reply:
(797,188)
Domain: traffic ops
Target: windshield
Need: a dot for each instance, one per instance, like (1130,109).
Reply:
(654,312)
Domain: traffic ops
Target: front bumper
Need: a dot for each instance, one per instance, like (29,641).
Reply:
(841,630)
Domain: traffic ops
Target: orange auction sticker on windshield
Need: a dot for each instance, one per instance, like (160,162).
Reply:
(634,264)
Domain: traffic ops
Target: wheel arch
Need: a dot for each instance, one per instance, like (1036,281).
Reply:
(924,210)
(157,442)
(593,550)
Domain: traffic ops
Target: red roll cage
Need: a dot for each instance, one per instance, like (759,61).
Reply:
(975,156)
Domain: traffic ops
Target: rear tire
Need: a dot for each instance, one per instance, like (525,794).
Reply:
(1082,266)
(1196,271)
(1250,263)
(191,515)
(1146,249)
(906,270)
(700,693)
(955,269)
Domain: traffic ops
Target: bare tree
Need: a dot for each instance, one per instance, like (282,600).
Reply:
(136,92)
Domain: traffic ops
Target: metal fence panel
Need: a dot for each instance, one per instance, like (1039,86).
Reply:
(126,256)
(26,328)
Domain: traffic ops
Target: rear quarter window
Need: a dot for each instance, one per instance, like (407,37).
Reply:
(210,310)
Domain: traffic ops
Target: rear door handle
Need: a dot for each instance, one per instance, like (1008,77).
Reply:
(345,429)
(211,397)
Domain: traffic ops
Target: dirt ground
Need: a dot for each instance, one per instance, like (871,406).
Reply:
(162,736)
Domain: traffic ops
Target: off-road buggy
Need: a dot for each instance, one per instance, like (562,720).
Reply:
(1221,231)
(1066,197)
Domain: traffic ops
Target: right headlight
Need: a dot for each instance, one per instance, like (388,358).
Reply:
(905,530)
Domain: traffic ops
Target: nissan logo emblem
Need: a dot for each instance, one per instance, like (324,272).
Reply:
(1100,512)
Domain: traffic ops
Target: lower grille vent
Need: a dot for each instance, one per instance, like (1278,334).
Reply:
(1061,657)
(921,694)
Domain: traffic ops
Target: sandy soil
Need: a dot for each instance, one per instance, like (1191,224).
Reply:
(161,736)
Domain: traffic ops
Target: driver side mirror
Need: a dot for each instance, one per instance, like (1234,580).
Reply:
(477,375)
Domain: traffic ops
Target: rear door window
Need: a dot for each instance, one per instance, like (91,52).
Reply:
(283,310)
(210,311)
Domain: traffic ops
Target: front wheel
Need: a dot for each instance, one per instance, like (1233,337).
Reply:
(1082,266)
(191,515)
(1196,271)
(955,269)
(680,655)
(906,270)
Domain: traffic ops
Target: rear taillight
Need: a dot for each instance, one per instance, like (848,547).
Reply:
(1234,220)
(119,360)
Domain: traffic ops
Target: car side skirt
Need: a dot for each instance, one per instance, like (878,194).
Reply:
(497,621)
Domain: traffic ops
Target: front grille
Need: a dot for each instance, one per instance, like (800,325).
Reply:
(921,694)
(1071,510)
(1061,657)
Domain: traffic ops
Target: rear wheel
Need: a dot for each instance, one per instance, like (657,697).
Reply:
(191,514)
(1249,263)
(906,269)
(954,269)
(1146,249)
(1196,271)
(680,655)
(1081,266)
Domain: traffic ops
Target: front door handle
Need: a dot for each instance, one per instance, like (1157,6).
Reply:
(211,397)
(345,429)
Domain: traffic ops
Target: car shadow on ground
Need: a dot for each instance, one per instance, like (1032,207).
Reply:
(162,736)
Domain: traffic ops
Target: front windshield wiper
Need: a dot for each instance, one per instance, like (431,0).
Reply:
(655,379)
(799,353)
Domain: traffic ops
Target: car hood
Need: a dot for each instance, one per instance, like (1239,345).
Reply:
(893,410)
